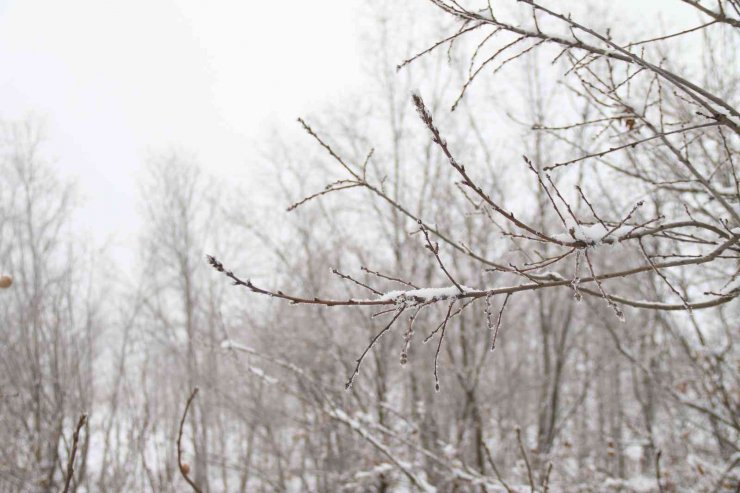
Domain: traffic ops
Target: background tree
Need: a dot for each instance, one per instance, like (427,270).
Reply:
(628,112)
(563,321)
(49,319)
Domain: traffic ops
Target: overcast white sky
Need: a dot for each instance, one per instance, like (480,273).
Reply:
(116,81)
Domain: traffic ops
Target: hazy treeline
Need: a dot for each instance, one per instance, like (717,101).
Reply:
(623,383)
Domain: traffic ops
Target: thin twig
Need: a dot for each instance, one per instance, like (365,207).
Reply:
(183,467)
(439,346)
(498,321)
(71,461)
(526,458)
(546,481)
(547,282)
(618,312)
(390,278)
(657,470)
(375,339)
(434,248)
(663,276)
(489,456)
(352,279)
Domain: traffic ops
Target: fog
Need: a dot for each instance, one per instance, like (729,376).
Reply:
(429,246)
(113,84)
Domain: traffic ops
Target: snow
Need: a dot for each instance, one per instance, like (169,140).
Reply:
(383,468)
(259,372)
(634,452)
(228,344)
(354,424)
(449,450)
(552,275)
(636,484)
(392,295)
(425,294)
(726,189)
(592,234)
(642,484)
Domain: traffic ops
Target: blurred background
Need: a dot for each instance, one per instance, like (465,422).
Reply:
(137,137)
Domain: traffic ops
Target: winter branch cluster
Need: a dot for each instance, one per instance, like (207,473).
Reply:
(533,182)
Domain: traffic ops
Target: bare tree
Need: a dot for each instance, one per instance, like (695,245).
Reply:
(49,320)
(534,291)
(637,212)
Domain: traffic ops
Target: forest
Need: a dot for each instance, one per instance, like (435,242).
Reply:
(512,264)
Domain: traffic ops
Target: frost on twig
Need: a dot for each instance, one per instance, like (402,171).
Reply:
(423,295)
(409,334)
